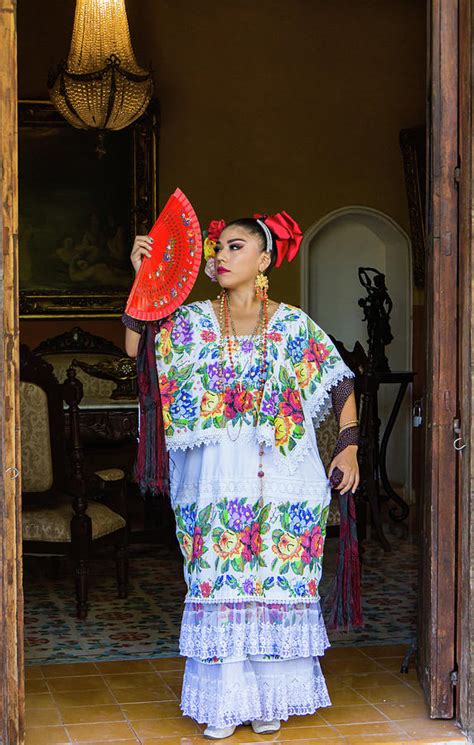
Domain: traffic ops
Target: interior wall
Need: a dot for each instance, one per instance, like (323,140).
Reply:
(265,106)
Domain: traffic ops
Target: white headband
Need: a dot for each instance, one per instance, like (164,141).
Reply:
(268,235)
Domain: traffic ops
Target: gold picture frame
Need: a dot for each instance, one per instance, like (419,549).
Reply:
(78,212)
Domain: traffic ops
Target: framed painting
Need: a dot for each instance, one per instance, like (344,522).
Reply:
(79,210)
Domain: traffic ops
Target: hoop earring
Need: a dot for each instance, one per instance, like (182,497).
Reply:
(261,285)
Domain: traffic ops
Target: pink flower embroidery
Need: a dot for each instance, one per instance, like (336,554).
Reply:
(313,543)
(197,543)
(252,541)
(316,352)
(291,405)
(205,589)
(207,335)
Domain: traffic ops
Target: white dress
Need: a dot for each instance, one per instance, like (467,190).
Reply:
(252,628)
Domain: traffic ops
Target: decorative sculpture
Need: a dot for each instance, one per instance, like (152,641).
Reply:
(122,371)
(377,307)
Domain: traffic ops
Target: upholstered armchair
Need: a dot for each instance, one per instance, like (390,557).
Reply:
(58,516)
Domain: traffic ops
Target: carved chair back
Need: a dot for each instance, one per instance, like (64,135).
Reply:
(62,349)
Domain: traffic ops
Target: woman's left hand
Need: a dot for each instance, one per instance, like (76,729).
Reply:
(346,461)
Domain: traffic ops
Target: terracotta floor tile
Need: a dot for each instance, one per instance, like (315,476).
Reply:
(398,694)
(140,680)
(144,695)
(396,711)
(100,732)
(36,685)
(79,683)
(83,698)
(169,663)
(352,714)
(171,676)
(305,733)
(329,740)
(46,736)
(392,663)
(61,671)
(152,710)
(33,672)
(175,727)
(91,714)
(346,696)
(343,653)
(42,717)
(343,666)
(378,651)
(367,680)
(124,666)
(39,700)
(409,678)
(310,720)
(369,728)
(199,740)
(377,740)
(425,727)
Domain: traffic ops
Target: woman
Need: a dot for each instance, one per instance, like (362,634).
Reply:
(243,379)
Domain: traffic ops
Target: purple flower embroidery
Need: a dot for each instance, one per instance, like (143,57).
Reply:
(247,585)
(181,333)
(247,346)
(213,373)
(239,514)
(270,404)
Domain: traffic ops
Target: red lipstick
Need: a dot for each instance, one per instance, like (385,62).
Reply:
(221,270)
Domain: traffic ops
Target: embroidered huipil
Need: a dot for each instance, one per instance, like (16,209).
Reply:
(236,545)
(252,556)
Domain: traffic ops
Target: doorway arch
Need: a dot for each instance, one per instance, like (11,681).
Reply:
(332,250)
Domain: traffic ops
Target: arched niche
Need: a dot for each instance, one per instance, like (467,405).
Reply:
(332,250)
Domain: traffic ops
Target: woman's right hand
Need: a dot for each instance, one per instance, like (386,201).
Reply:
(142,246)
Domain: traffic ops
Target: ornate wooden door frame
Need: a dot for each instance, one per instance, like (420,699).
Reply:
(465,570)
(11,610)
(445,523)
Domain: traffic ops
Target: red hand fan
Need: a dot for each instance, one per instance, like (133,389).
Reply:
(165,280)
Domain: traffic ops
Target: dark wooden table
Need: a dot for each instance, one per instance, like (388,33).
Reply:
(373,453)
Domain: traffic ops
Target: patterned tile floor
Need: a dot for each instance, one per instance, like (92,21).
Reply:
(137,702)
(146,624)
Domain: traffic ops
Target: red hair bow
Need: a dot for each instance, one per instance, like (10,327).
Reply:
(215,229)
(287,232)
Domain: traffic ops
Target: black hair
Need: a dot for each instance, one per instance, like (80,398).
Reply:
(251,225)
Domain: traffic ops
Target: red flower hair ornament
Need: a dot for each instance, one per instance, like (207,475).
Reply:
(287,232)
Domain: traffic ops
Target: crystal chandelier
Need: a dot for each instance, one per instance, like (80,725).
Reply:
(100,85)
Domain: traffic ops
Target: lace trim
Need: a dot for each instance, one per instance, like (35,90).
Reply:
(320,405)
(277,598)
(241,629)
(251,693)
(277,490)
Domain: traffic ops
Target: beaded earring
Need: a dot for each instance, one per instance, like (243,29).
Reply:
(261,285)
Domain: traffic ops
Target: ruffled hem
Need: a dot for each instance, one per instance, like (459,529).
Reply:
(240,628)
(247,690)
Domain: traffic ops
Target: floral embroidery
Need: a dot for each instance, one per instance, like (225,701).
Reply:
(199,398)
(245,539)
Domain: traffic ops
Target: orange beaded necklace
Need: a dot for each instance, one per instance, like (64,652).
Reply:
(227,332)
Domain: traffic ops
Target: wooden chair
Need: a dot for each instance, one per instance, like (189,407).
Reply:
(58,519)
